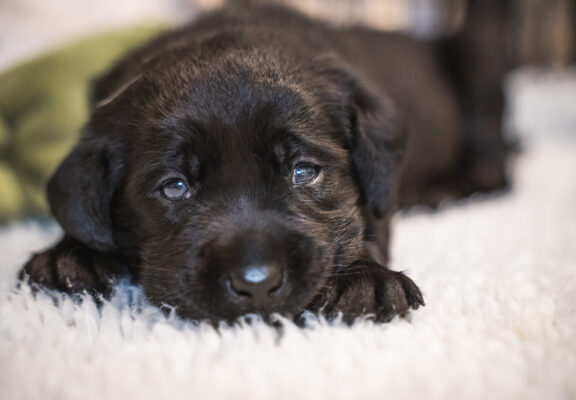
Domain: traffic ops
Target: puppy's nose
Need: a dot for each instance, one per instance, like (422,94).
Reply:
(257,282)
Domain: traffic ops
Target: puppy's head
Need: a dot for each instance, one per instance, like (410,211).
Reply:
(237,185)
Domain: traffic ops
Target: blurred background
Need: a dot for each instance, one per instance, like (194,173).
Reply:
(50,51)
(541,31)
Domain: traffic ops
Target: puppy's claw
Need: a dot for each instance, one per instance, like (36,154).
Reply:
(413,293)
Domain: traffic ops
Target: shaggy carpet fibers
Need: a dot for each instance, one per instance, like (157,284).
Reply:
(498,273)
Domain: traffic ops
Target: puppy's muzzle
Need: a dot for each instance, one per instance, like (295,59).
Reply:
(252,268)
(258,270)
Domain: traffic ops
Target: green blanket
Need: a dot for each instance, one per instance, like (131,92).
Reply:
(43,105)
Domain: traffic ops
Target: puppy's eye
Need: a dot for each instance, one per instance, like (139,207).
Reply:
(175,189)
(304,174)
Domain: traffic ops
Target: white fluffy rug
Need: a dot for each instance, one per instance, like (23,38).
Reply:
(499,277)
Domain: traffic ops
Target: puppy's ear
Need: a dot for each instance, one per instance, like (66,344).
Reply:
(377,146)
(81,190)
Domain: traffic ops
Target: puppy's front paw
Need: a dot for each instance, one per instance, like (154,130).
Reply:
(70,267)
(369,290)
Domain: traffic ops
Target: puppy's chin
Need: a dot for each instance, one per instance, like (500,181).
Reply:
(231,316)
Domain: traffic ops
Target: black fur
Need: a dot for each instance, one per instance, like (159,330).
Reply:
(231,105)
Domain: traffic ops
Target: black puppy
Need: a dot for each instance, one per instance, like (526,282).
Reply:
(250,163)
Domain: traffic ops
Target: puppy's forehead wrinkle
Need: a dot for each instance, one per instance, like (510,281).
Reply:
(153,162)
(320,144)
(228,87)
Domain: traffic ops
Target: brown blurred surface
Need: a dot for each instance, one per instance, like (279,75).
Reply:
(539,31)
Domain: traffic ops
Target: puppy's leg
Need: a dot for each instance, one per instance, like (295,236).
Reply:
(368,288)
(72,267)
(476,61)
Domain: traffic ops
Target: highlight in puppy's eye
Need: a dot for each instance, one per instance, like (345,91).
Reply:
(304,174)
(175,189)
